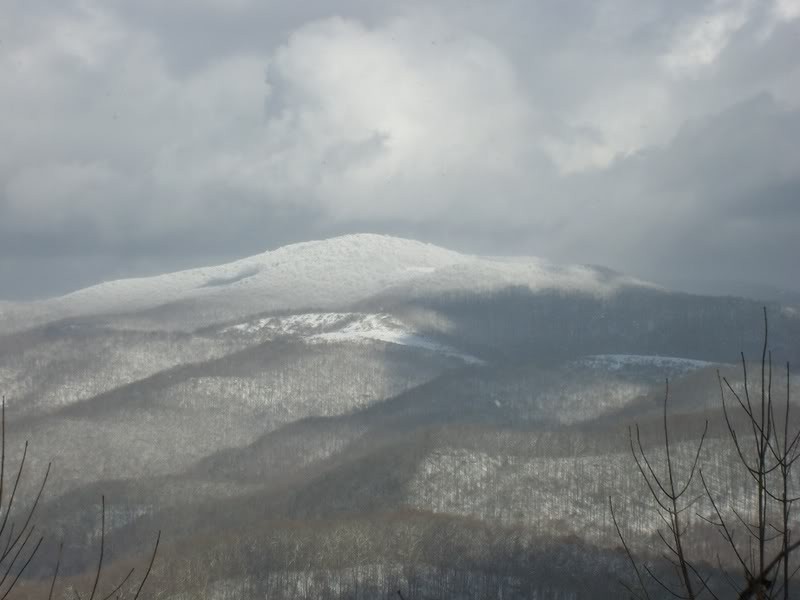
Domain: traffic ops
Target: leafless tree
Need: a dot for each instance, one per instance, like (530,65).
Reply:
(20,544)
(671,502)
(767,451)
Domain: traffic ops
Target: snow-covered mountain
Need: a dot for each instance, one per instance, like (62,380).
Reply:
(327,274)
(365,375)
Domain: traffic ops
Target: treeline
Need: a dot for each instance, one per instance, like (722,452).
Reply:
(372,556)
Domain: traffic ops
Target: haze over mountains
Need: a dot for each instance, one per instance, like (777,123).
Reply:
(347,417)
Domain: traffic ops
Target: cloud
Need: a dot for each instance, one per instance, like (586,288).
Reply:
(45,198)
(699,42)
(395,121)
(629,133)
(719,201)
(787,10)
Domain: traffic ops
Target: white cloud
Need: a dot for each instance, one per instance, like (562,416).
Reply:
(699,42)
(613,124)
(370,115)
(365,123)
(787,10)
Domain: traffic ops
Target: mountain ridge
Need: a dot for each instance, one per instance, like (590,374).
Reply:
(334,273)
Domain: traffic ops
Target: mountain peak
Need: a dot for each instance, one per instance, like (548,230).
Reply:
(331,273)
(373,243)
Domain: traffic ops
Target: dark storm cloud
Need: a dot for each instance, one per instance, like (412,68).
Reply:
(720,201)
(143,136)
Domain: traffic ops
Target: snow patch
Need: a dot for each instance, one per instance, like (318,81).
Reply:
(294,325)
(336,327)
(617,362)
(386,328)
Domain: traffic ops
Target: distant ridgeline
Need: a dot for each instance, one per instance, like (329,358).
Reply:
(550,325)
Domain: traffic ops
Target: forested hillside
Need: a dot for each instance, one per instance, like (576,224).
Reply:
(447,437)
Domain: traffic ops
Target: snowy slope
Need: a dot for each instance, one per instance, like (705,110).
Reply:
(328,274)
(617,362)
(344,327)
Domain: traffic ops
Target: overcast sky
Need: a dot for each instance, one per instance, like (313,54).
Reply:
(657,138)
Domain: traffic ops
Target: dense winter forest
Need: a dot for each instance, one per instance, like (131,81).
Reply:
(434,439)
